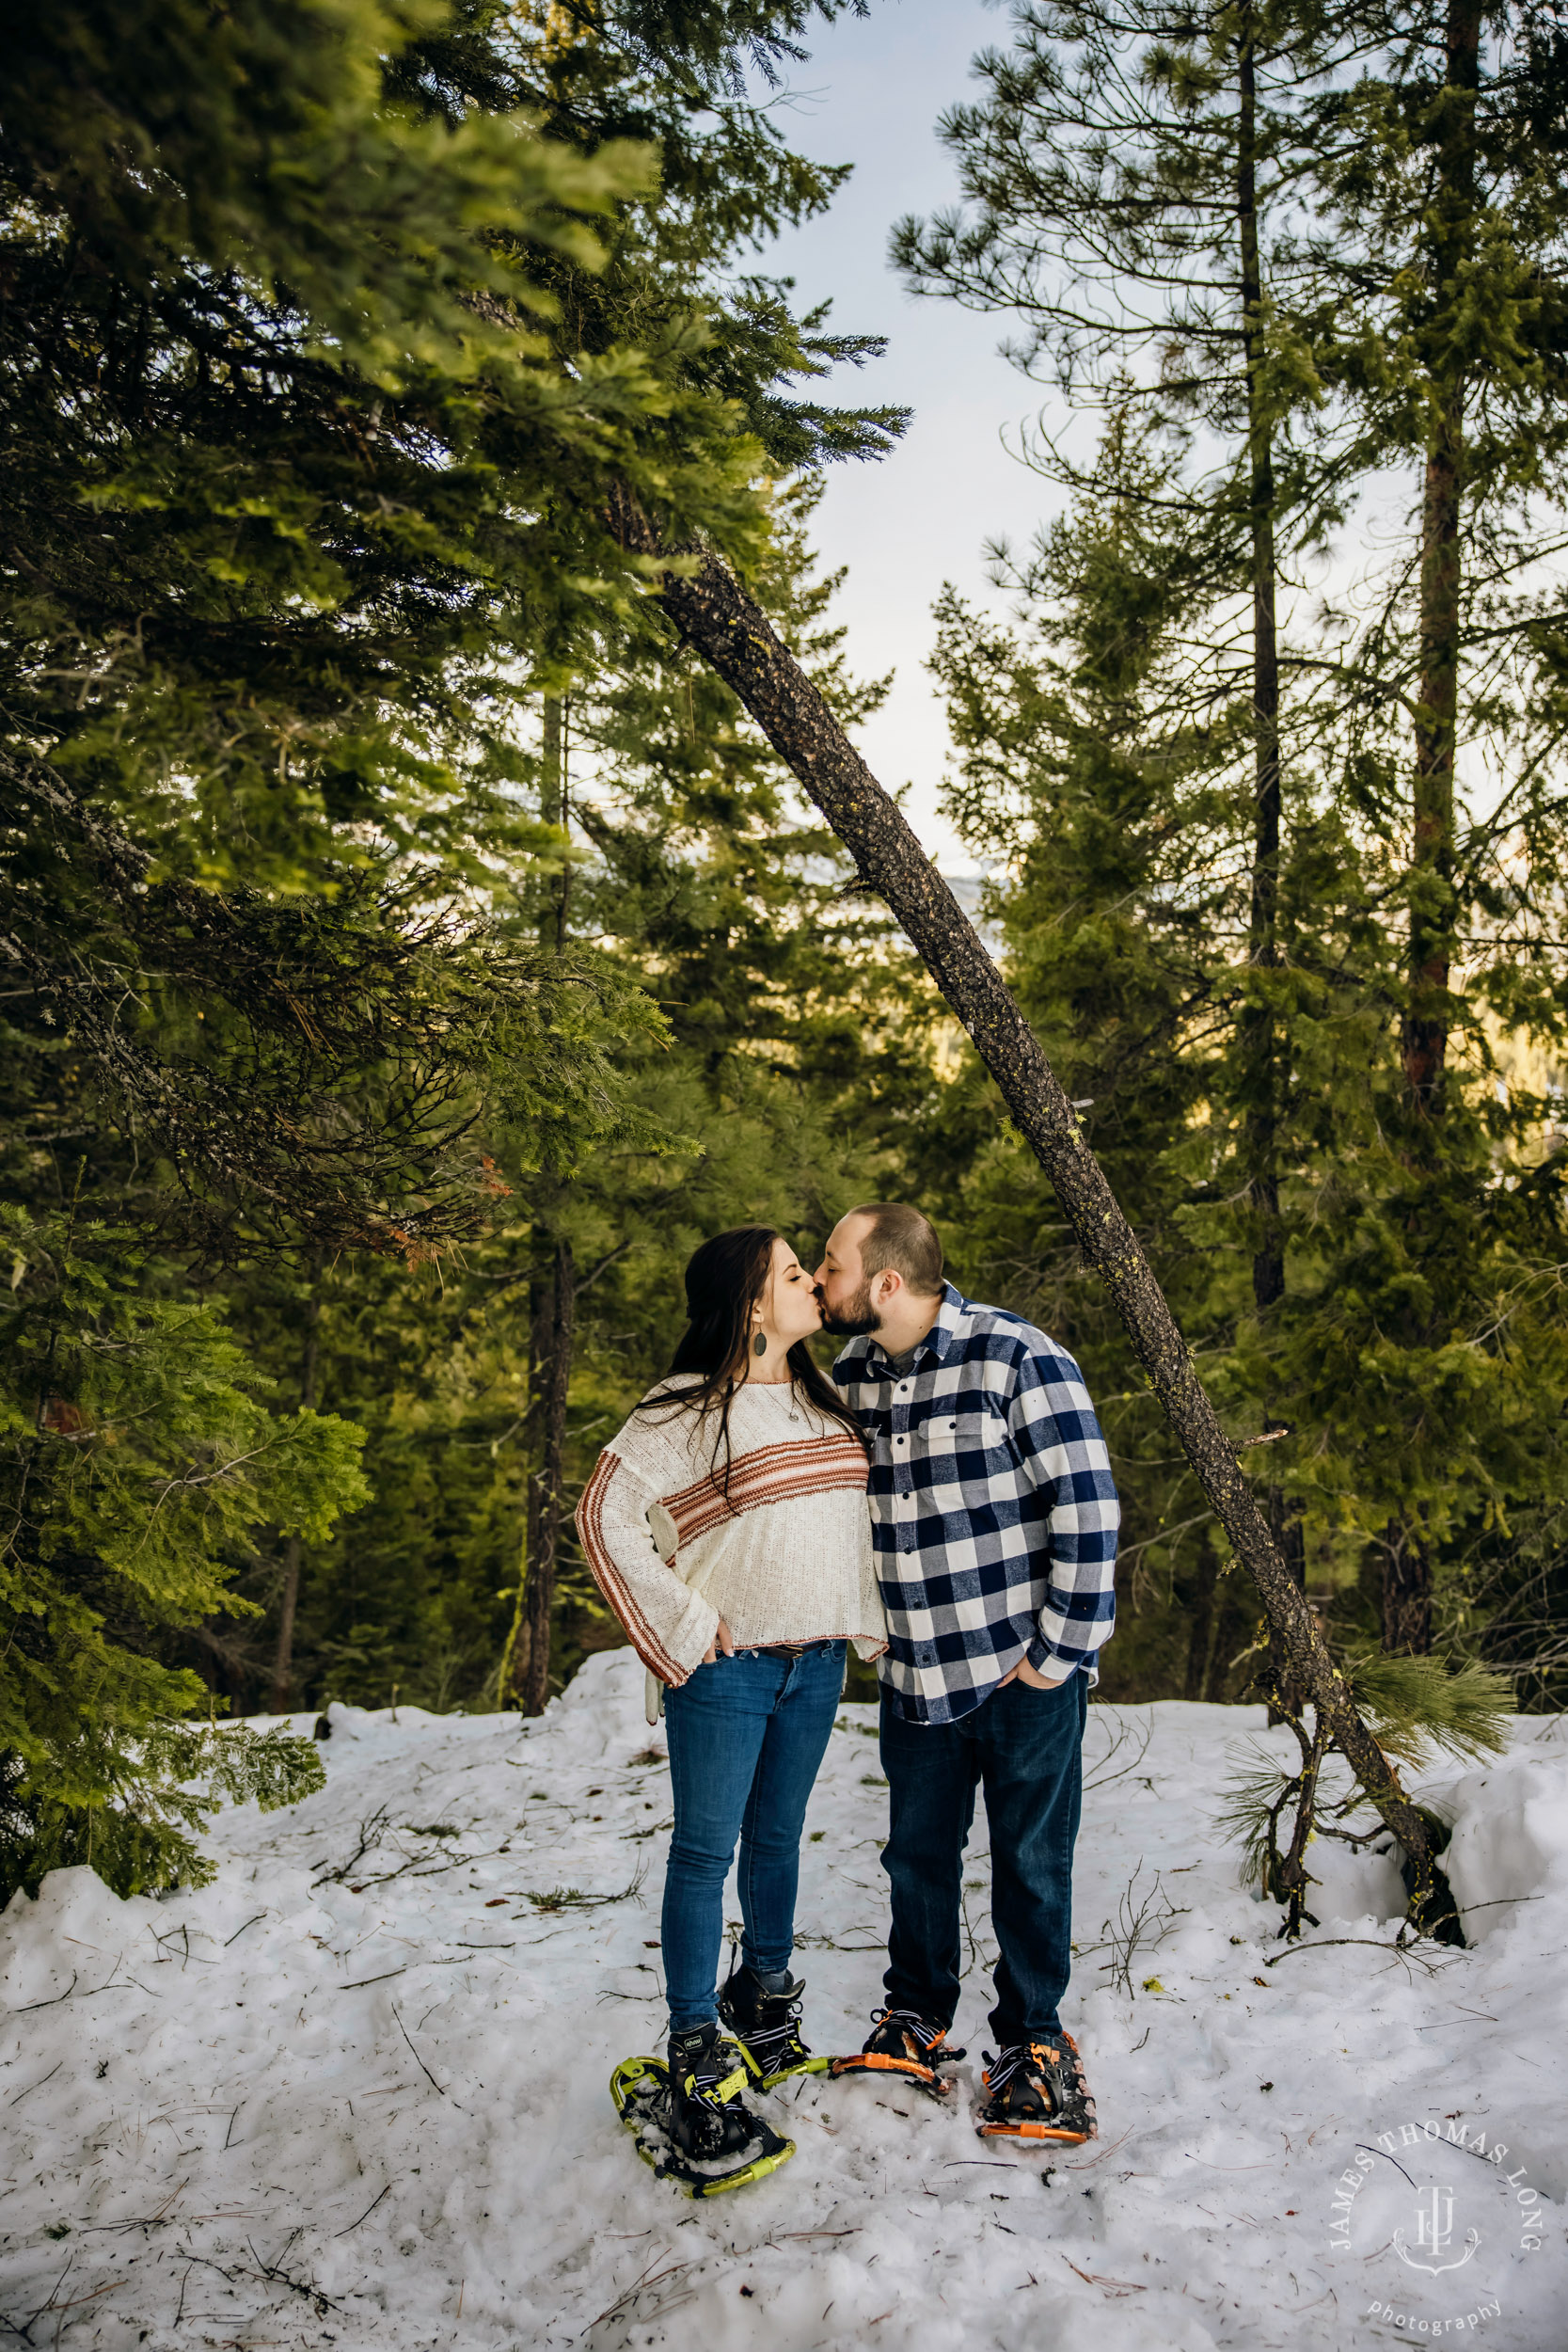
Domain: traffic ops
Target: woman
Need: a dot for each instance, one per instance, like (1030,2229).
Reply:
(727,1527)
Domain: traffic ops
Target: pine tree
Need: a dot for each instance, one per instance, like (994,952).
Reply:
(1117,821)
(1441,176)
(1383,280)
(138,1456)
(314,448)
(1128,179)
(789,1018)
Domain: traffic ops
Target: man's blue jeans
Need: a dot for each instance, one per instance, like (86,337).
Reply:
(1023,1746)
(747,1737)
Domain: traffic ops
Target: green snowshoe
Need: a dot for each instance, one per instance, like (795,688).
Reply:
(686,2119)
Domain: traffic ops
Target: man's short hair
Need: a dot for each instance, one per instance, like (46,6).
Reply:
(905,1241)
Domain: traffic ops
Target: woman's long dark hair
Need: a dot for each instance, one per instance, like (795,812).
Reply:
(725,1280)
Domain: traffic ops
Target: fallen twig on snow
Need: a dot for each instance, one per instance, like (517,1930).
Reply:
(312,2294)
(571,1898)
(418,2060)
(1397,1951)
(368,2210)
(371,1834)
(1109,2286)
(20,2095)
(675,2271)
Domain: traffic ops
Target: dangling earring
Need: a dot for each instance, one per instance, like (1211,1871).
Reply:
(759,1346)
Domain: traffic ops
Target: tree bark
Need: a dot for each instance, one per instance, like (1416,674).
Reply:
(1424,1039)
(1450,219)
(1406,1592)
(555,810)
(732,633)
(1287,1695)
(553,1331)
(1258,1024)
(1201,1618)
(525,1668)
(1259,1039)
(283,1661)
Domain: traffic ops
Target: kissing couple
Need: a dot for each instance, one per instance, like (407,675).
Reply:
(945,1504)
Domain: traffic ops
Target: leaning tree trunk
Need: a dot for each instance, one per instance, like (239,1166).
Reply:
(732,633)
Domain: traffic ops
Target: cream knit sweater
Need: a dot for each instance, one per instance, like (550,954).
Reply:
(784,1555)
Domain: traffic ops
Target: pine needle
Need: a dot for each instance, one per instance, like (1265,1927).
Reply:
(1416,1705)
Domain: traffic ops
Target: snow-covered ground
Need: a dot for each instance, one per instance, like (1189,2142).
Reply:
(355,2092)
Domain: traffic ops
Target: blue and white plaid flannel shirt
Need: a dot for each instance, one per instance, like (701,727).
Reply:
(993,1513)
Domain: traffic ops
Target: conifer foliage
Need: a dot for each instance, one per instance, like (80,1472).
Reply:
(327,333)
(137,1458)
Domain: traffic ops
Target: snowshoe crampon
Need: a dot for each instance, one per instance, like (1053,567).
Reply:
(1037,2091)
(641,2090)
(908,2047)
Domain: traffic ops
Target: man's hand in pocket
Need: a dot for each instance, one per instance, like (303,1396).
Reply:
(1023,1672)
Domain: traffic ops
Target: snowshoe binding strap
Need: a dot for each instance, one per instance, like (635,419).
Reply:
(640,2090)
(707,2074)
(766,2027)
(902,2042)
(1037,2091)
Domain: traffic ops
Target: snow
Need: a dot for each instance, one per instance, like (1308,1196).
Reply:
(312,2105)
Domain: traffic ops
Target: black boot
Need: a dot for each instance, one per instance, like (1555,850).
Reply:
(1037,2091)
(902,2042)
(708,2119)
(763,2019)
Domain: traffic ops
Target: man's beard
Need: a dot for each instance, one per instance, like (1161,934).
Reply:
(856,1317)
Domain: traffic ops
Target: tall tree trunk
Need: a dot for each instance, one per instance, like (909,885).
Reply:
(554,1319)
(525,1669)
(1258,1028)
(1407,1560)
(1200,1617)
(1260,1041)
(1406,1590)
(733,634)
(283,1661)
(1450,217)
(555,809)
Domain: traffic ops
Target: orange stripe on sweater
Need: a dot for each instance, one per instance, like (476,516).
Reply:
(590,1519)
(780,1474)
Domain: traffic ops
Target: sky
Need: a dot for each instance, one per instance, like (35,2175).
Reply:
(870,95)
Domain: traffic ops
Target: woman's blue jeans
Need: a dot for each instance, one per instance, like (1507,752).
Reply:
(747,1737)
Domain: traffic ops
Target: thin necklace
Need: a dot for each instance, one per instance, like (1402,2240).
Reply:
(788,1382)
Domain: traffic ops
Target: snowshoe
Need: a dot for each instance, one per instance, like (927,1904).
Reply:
(687,2121)
(1037,2091)
(903,2044)
(766,2027)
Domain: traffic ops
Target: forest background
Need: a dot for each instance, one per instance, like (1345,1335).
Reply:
(412,949)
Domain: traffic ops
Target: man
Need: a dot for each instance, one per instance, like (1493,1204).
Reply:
(994,1526)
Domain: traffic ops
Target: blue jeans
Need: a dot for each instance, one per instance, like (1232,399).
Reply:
(747,1736)
(1024,1747)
